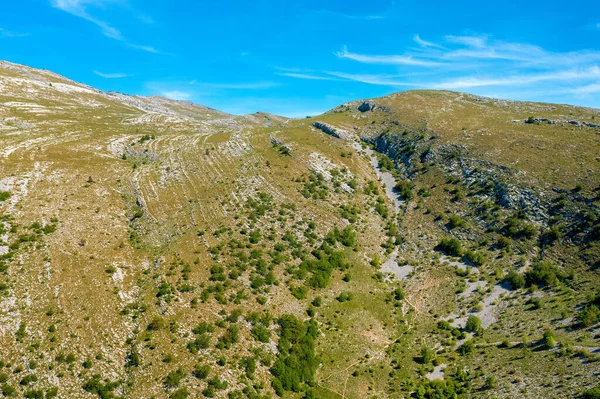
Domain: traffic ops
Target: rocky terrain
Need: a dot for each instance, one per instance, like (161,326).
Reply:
(426,244)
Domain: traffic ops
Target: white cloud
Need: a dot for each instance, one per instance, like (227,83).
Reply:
(385,59)
(331,13)
(148,49)
(79,8)
(116,75)
(561,76)
(480,64)
(237,86)
(304,114)
(468,48)
(7,33)
(304,76)
(189,90)
(424,43)
(470,41)
(592,88)
(176,95)
(380,80)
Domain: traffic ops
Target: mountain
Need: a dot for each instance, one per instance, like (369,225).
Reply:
(424,244)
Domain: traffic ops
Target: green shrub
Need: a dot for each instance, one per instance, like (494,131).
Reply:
(444,325)
(398,294)
(317,301)
(450,246)
(229,338)
(8,390)
(28,379)
(592,393)
(503,242)
(181,393)
(4,195)
(536,302)
(299,292)
(467,348)
(473,324)
(426,355)
(455,221)
(589,315)
(476,258)
(545,273)
(404,189)
(96,386)
(515,280)
(519,229)
(344,297)
(156,324)
(490,382)
(173,379)
(34,394)
(296,362)
(201,371)
(549,339)
(133,360)
(261,333)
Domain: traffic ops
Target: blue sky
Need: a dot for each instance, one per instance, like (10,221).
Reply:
(303,57)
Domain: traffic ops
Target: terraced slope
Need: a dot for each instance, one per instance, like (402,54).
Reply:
(424,244)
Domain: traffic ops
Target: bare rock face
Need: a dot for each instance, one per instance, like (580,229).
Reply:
(333,131)
(367,106)
(555,121)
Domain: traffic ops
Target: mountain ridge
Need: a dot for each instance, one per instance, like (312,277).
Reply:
(348,103)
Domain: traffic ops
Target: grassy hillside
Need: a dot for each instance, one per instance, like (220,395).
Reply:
(155,248)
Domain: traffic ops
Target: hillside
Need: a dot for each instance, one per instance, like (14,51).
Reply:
(424,244)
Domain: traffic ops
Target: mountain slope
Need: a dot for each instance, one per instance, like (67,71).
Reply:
(156,248)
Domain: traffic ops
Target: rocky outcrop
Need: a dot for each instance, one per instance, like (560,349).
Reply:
(539,121)
(495,182)
(367,106)
(360,106)
(333,131)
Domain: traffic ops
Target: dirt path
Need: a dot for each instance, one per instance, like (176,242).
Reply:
(392,266)
(387,178)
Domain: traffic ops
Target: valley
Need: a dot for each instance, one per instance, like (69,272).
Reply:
(427,244)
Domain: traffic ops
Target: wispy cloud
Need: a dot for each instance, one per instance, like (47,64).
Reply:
(561,76)
(145,18)
(365,14)
(469,41)
(8,33)
(116,75)
(237,86)
(176,95)
(592,88)
(304,76)
(148,49)
(198,90)
(476,61)
(79,8)
(347,16)
(467,49)
(378,79)
(424,43)
(385,59)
